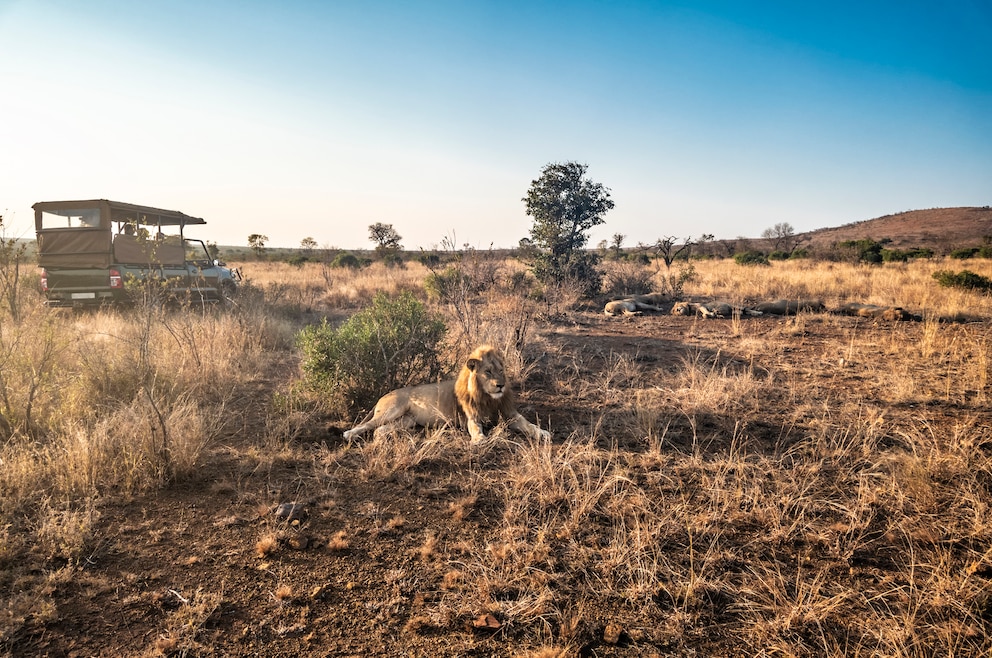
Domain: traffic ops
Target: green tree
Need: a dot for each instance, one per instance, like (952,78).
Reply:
(213,250)
(526,251)
(257,243)
(308,245)
(616,245)
(565,205)
(386,239)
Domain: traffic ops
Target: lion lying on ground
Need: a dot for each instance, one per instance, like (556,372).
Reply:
(712,310)
(480,395)
(886,313)
(634,304)
(790,306)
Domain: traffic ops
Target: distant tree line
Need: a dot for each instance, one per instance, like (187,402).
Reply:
(565,204)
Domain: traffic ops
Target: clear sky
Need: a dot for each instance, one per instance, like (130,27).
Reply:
(315,119)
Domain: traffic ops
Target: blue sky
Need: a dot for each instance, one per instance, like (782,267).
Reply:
(297,119)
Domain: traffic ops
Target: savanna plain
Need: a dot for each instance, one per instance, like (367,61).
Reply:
(814,485)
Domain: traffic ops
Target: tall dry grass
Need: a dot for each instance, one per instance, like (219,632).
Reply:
(909,285)
(110,403)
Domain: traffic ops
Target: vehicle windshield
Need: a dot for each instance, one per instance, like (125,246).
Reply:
(71,218)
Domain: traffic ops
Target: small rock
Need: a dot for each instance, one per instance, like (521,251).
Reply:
(290,512)
(298,542)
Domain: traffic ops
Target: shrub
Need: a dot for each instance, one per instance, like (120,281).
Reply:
(751,258)
(579,269)
(393,260)
(901,256)
(627,277)
(894,256)
(674,281)
(346,260)
(391,344)
(447,284)
(863,251)
(799,253)
(964,253)
(778,255)
(12,256)
(963,279)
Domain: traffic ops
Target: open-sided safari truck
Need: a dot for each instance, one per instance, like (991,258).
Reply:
(91,252)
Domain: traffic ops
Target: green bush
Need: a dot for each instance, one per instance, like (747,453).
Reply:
(963,279)
(579,267)
(391,344)
(393,260)
(864,251)
(799,253)
(446,285)
(964,253)
(894,256)
(345,259)
(751,258)
(778,255)
(902,256)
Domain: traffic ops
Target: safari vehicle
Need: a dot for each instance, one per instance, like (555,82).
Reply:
(91,251)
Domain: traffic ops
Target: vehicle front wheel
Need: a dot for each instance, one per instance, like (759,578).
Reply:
(228,291)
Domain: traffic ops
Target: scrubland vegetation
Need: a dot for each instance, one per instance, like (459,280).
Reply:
(808,486)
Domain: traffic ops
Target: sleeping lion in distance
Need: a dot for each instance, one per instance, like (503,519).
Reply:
(480,395)
(634,304)
(712,310)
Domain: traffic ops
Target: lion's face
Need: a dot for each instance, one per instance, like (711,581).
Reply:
(487,372)
(682,308)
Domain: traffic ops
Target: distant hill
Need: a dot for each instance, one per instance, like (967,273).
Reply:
(941,229)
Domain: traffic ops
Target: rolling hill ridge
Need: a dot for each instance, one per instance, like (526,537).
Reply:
(941,229)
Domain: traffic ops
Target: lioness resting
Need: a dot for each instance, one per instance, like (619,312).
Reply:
(480,395)
(887,313)
(790,306)
(634,304)
(712,310)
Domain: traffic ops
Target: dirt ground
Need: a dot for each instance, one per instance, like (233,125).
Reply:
(187,571)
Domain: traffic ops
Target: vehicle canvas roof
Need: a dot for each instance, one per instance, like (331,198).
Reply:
(124,212)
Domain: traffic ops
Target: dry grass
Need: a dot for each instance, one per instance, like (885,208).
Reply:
(909,285)
(812,486)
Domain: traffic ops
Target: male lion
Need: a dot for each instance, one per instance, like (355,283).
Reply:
(480,395)
(712,310)
(634,304)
